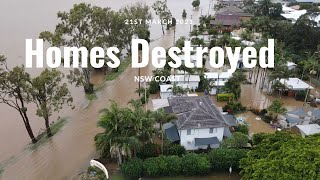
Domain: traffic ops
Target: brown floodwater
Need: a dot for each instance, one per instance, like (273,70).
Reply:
(67,154)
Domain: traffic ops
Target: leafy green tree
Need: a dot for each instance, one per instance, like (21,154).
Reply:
(125,131)
(14,91)
(196,3)
(233,85)
(77,28)
(184,13)
(238,140)
(282,156)
(50,94)
(276,109)
(162,10)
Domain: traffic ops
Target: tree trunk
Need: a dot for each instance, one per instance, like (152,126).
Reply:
(161,138)
(49,133)
(88,88)
(162,29)
(28,127)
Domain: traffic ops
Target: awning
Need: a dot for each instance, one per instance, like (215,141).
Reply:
(171,132)
(206,141)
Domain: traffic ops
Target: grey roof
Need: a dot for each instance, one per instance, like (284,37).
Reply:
(225,22)
(206,141)
(230,119)
(171,132)
(316,113)
(293,120)
(232,10)
(196,113)
(298,112)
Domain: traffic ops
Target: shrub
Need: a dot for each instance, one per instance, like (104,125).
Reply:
(156,166)
(223,159)
(196,3)
(132,169)
(149,150)
(225,97)
(174,165)
(184,14)
(238,140)
(242,128)
(233,107)
(153,87)
(195,164)
(174,149)
(257,138)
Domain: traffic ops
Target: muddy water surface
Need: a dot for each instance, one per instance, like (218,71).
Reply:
(67,153)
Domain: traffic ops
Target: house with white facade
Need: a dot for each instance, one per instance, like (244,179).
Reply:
(219,78)
(191,80)
(166,90)
(199,123)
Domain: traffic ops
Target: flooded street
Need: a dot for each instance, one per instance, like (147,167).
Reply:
(67,153)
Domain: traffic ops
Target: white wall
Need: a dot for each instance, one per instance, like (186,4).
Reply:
(192,84)
(165,95)
(188,140)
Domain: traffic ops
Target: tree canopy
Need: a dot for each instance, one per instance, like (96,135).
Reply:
(282,156)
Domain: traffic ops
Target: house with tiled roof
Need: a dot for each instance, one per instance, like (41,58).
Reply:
(199,122)
(230,16)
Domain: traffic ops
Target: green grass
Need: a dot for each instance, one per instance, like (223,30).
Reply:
(55,128)
(123,66)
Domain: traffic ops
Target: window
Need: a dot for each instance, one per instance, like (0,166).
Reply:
(211,130)
(188,131)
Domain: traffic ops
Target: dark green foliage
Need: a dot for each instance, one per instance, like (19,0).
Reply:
(195,164)
(300,95)
(132,169)
(283,156)
(222,159)
(174,165)
(155,167)
(196,3)
(225,97)
(238,140)
(257,138)
(174,149)
(184,14)
(149,150)
(233,107)
(242,128)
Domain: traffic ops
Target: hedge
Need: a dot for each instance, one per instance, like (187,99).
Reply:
(174,149)
(225,97)
(223,159)
(149,150)
(190,164)
(132,169)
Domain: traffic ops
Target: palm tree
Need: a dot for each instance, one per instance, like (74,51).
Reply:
(276,108)
(125,130)
(162,117)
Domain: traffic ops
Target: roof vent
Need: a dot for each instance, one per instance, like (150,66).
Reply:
(199,125)
(200,103)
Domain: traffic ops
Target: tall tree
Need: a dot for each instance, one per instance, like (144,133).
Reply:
(14,91)
(162,10)
(276,109)
(162,117)
(50,94)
